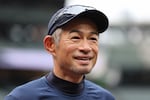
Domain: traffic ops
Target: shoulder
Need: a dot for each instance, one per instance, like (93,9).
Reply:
(27,90)
(98,91)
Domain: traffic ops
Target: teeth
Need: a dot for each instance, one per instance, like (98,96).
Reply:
(84,58)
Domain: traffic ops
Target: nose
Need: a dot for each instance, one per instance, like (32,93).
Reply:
(85,47)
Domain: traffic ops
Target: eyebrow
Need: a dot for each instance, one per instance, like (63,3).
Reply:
(75,30)
(95,33)
(78,31)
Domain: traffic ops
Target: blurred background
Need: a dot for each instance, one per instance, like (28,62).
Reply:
(123,65)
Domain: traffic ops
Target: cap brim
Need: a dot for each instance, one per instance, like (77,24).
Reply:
(99,18)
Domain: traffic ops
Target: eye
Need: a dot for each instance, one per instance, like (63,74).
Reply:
(94,39)
(75,37)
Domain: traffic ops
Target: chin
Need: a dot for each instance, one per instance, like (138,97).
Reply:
(82,69)
(85,71)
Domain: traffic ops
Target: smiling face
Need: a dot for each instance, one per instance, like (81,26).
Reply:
(77,50)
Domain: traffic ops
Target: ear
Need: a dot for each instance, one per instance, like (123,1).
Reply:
(49,44)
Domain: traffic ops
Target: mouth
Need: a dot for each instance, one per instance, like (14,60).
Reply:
(83,60)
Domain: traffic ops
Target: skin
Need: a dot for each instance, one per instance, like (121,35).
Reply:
(76,52)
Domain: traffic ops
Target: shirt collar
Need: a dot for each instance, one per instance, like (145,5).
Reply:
(65,86)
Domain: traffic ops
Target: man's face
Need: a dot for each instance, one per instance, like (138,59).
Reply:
(77,49)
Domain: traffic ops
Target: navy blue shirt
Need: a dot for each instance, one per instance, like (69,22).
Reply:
(53,88)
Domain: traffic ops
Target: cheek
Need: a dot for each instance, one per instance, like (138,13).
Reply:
(95,48)
(67,48)
(96,51)
(71,48)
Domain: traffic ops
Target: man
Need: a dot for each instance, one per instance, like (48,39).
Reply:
(72,40)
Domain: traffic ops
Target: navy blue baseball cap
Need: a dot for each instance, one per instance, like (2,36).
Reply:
(66,14)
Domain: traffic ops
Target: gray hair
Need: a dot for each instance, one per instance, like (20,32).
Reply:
(56,35)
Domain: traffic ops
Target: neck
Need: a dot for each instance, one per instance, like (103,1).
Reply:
(65,86)
(71,77)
